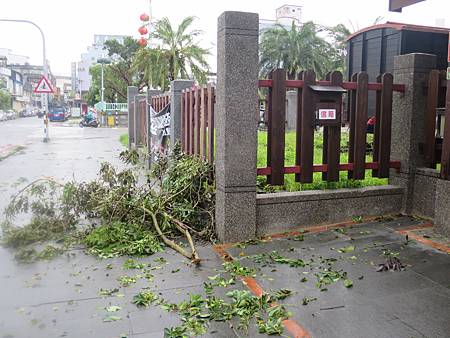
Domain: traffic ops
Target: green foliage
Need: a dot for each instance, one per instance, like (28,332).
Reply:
(178,55)
(120,204)
(234,268)
(329,276)
(318,183)
(117,75)
(282,294)
(144,298)
(5,100)
(130,264)
(121,239)
(303,47)
(124,140)
(274,323)
(126,281)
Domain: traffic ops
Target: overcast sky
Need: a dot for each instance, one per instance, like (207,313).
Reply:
(69,26)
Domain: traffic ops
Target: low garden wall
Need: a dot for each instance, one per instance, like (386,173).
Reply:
(281,211)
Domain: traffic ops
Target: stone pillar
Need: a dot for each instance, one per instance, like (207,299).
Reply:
(291,110)
(150,94)
(408,120)
(176,87)
(131,93)
(138,136)
(236,125)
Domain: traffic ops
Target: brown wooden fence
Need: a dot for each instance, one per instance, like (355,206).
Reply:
(314,95)
(435,140)
(197,106)
(197,121)
(160,101)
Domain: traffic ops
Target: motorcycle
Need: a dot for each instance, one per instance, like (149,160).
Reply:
(92,123)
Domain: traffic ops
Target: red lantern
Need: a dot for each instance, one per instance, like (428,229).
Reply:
(142,42)
(143,30)
(144,17)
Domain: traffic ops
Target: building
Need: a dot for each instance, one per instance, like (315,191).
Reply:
(63,89)
(31,76)
(73,74)
(93,53)
(21,78)
(285,16)
(12,80)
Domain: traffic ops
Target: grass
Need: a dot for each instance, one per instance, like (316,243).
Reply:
(124,140)
(291,185)
(318,184)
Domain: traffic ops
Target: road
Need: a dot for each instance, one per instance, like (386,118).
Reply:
(72,152)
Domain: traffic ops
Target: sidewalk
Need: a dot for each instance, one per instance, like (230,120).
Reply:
(61,298)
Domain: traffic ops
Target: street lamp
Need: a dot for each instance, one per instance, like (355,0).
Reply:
(103,62)
(44,99)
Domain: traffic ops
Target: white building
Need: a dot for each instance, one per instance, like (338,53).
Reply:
(285,16)
(91,56)
(14,59)
(12,80)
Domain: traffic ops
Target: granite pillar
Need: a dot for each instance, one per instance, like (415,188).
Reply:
(139,137)
(176,87)
(131,93)
(408,120)
(236,125)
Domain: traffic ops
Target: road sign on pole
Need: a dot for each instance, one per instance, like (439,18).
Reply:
(43,86)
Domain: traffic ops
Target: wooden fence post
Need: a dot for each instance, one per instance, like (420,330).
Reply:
(359,151)
(298,128)
(276,127)
(307,131)
(211,112)
(334,138)
(384,146)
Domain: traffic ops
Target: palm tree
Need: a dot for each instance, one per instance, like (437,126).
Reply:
(295,49)
(151,63)
(177,55)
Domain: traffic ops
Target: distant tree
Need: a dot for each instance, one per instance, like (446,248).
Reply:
(5,100)
(294,49)
(338,35)
(177,56)
(298,48)
(117,75)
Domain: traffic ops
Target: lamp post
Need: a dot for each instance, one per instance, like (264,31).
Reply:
(102,89)
(44,98)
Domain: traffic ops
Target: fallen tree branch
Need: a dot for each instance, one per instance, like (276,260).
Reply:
(192,256)
(182,228)
(47,179)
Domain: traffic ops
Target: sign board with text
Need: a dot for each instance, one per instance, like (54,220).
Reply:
(327,114)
